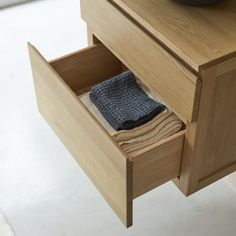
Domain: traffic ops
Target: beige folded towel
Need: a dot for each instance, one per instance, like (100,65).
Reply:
(162,126)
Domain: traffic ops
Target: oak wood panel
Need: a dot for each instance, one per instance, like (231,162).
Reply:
(99,156)
(219,124)
(184,182)
(213,151)
(155,67)
(157,165)
(91,38)
(196,35)
(87,67)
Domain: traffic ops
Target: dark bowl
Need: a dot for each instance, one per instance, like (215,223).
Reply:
(197,2)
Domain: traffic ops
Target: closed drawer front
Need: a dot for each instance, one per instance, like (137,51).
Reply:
(177,86)
(118,177)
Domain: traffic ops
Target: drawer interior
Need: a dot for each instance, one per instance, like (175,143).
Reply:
(120,178)
(81,70)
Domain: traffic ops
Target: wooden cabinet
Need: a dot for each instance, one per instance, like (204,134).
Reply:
(186,56)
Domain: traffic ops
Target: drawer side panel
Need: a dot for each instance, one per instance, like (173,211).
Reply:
(97,154)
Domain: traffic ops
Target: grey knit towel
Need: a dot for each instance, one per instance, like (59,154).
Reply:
(123,103)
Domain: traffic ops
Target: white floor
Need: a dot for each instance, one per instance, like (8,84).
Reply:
(5,230)
(43,192)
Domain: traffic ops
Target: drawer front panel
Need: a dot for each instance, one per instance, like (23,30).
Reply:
(158,165)
(174,84)
(92,147)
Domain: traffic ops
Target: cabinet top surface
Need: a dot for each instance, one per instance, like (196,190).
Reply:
(198,35)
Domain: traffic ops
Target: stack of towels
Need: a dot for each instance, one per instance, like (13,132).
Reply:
(132,116)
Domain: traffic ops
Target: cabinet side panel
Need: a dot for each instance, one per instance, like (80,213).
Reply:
(216,138)
(211,146)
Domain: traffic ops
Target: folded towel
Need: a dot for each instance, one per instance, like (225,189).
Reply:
(93,109)
(132,141)
(124,135)
(162,126)
(123,103)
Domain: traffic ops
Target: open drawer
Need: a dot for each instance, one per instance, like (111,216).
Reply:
(119,178)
